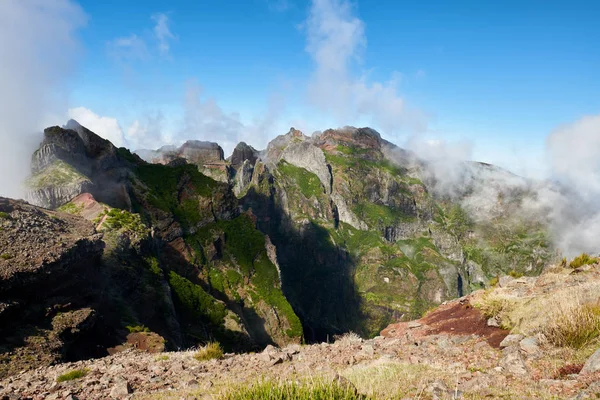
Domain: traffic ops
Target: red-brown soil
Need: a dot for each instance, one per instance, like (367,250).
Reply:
(458,317)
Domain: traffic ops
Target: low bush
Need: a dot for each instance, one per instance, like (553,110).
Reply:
(212,351)
(309,390)
(3,215)
(574,326)
(71,375)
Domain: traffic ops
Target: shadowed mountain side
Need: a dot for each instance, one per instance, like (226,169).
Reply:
(317,277)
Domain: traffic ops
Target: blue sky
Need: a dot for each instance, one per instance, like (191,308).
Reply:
(491,78)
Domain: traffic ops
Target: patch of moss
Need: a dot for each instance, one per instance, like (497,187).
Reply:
(6,256)
(59,173)
(72,375)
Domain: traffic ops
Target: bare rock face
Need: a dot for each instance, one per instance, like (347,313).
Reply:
(242,153)
(200,153)
(243,177)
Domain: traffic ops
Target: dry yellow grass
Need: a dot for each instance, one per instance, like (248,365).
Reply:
(211,351)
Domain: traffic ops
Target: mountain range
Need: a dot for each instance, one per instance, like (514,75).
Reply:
(314,236)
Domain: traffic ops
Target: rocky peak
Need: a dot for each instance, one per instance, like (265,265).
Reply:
(199,153)
(95,146)
(241,153)
(364,138)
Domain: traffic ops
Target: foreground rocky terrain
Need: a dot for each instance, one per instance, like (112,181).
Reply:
(454,352)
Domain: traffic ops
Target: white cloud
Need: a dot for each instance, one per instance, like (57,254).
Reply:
(335,41)
(106,127)
(38,49)
(128,48)
(162,33)
(574,153)
(147,132)
(574,159)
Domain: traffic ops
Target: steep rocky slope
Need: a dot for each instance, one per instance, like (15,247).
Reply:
(451,353)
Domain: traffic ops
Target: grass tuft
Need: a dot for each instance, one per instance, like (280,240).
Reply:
(495,305)
(212,351)
(307,390)
(137,328)
(574,326)
(71,375)
(583,259)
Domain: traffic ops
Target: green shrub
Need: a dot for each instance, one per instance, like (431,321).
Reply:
(515,274)
(71,375)
(121,220)
(3,215)
(573,327)
(6,256)
(212,351)
(582,259)
(308,390)
(494,281)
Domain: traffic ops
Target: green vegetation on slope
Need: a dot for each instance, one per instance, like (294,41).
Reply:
(195,301)
(165,183)
(245,247)
(58,174)
(376,215)
(123,221)
(309,183)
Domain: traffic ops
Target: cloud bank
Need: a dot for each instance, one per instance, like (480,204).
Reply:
(574,159)
(38,46)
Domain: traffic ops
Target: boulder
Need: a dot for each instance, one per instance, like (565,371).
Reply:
(592,364)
